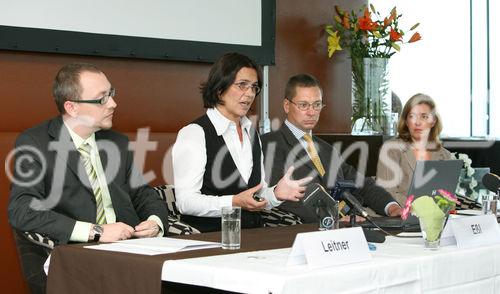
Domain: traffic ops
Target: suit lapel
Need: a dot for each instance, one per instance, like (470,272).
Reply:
(60,135)
(301,153)
(409,156)
(103,155)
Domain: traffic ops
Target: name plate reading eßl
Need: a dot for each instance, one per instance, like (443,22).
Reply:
(476,230)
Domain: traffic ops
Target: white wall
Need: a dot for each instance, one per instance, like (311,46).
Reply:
(218,21)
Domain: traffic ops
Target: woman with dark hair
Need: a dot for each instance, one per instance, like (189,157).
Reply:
(218,158)
(418,139)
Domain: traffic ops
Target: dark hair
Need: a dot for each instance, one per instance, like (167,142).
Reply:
(67,83)
(300,80)
(222,76)
(404,132)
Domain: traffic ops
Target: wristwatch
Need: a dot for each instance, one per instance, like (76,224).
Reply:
(97,231)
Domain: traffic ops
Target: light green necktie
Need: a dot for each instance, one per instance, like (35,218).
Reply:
(84,150)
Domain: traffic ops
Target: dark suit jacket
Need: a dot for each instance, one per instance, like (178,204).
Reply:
(282,150)
(133,200)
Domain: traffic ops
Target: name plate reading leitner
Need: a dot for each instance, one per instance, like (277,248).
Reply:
(476,230)
(329,248)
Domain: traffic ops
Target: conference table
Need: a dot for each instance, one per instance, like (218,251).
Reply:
(396,266)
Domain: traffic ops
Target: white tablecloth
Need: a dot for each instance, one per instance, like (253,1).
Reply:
(397,266)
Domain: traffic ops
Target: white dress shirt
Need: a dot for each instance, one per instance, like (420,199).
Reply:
(189,158)
(299,134)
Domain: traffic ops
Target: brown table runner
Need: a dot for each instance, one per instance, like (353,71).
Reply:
(75,269)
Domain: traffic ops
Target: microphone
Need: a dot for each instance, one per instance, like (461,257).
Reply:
(341,186)
(354,203)
(491,182)
(342,191)
(325,207)
(315,193)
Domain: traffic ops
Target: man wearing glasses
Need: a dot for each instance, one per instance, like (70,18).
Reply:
(294,144)
(83,186)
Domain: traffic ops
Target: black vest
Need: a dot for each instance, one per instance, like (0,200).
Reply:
(224,178)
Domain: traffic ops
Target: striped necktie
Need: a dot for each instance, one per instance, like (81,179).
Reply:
(314,154)
(84,150)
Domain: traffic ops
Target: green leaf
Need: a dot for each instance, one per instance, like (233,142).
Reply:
(395,46)
(414,26)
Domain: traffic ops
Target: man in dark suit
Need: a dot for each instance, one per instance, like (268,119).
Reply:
(294,144)
(74,179)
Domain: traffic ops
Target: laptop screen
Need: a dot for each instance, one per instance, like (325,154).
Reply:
(431,175)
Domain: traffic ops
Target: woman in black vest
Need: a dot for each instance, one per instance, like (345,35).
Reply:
(218,158)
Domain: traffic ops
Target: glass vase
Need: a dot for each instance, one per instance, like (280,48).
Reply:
(432,228)
(371,96)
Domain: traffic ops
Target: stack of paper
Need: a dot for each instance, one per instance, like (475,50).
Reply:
(154,246)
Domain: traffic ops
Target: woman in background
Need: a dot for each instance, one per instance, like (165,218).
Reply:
(418,139)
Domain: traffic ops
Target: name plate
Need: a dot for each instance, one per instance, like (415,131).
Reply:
(329,248)
(476,231)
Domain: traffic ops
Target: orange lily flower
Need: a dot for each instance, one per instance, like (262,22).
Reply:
(394,13)
(345,21)
(394,35)
(366,23)
(416,37)
(367,13)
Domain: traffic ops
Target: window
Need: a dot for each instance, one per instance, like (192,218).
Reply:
(494,44)
(456,62)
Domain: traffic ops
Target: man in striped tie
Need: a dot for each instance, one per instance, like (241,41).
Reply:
(294,144)
(88,189)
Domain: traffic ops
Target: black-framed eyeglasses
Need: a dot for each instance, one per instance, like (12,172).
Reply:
(103,100)
(245,85)
(303,106)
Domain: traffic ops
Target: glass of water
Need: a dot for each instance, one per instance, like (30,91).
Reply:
(231,227)
(490,204)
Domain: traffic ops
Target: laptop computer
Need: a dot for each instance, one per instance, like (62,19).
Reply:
(428,177)
(396,223)
(431,175)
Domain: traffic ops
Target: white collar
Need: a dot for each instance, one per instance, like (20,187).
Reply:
(298,133)
(222,123)
(79,141)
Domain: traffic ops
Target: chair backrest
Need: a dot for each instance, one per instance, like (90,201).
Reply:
(167,193)
(175,226)
(33,250)
(276,217)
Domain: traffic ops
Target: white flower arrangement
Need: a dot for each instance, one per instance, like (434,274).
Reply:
(467,183)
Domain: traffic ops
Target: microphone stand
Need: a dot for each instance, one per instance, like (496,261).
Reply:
(352,218)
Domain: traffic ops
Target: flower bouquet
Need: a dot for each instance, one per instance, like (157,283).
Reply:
(368,34)
(467,183)
(432,213)
(371,39)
